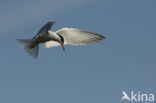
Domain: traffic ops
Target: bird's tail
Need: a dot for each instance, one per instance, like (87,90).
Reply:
(29,46)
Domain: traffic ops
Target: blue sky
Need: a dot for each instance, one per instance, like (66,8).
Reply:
(97,73)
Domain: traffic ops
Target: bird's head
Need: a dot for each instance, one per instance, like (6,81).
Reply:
(62,42)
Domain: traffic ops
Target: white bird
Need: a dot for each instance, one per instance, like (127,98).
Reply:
(64,36)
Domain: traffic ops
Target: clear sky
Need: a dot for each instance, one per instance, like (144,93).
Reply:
(97,73)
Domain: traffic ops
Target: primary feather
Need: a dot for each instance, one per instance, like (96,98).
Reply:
(76,37)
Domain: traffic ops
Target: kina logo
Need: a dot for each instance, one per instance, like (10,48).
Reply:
(137,97)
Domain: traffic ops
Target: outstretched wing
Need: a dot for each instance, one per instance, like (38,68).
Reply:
(77,37)
(44,30)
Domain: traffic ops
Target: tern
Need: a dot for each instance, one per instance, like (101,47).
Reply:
(64,36)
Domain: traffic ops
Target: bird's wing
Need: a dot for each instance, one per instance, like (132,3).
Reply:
(50,44)
(44,30)
(77,37)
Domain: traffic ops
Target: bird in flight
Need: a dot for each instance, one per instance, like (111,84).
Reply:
(64,36)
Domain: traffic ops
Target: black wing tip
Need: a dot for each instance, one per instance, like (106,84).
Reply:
(51,22)
(103,37)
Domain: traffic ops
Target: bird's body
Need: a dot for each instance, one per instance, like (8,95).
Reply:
(50,36)
(64,36)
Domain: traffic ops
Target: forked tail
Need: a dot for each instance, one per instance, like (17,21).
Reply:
(29,46)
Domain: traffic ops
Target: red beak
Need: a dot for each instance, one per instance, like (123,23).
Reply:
(63,46)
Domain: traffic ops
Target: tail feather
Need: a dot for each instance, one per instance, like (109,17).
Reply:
(29,46)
